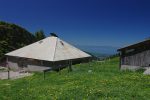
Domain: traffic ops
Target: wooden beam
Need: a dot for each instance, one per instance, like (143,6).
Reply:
(120,58)
(89,62)
(8,74)
(69,65)
(8,67)
(44,74)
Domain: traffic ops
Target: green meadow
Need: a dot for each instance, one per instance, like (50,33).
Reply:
(93,81)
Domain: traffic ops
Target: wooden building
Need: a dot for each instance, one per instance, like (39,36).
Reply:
(49,53)
(135,56)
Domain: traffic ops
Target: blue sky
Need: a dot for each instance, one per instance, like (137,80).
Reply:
(84,22)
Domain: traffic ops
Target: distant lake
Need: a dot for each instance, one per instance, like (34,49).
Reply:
(99,50)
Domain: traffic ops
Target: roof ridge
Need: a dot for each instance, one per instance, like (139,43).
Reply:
(55,48)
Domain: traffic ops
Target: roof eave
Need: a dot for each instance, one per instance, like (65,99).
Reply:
(132,45)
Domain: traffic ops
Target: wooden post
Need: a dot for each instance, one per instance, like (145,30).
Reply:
(8,68)
(8,74)
(41,63)
(89,62)
(120,60)
(44,74)
(59,69)
(70,66)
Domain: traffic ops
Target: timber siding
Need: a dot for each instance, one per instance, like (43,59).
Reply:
(140,59)
(135,56)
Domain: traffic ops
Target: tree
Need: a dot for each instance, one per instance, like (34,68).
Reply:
(39,35)
(13,37)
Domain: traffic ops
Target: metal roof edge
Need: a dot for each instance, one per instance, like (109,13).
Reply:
(132,45)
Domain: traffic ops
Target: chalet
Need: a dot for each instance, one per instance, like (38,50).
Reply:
(135,56)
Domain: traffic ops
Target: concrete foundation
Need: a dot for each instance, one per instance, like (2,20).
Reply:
(130,67)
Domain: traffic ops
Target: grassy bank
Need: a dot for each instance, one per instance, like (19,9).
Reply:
(97,81)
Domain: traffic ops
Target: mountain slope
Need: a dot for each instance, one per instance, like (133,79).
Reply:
(13,37)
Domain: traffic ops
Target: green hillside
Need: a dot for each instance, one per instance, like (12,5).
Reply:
(98,81)
(13,37)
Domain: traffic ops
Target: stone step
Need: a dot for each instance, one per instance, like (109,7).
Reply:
(147,71)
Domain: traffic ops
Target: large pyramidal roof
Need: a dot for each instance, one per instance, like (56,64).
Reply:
(49,49)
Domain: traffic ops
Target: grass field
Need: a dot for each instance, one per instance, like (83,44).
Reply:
(98,81)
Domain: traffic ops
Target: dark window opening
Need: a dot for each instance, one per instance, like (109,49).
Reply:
(62,43)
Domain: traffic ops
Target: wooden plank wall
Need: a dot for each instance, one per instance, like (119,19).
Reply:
(139,59)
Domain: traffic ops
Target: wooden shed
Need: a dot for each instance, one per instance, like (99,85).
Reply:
(135,56)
